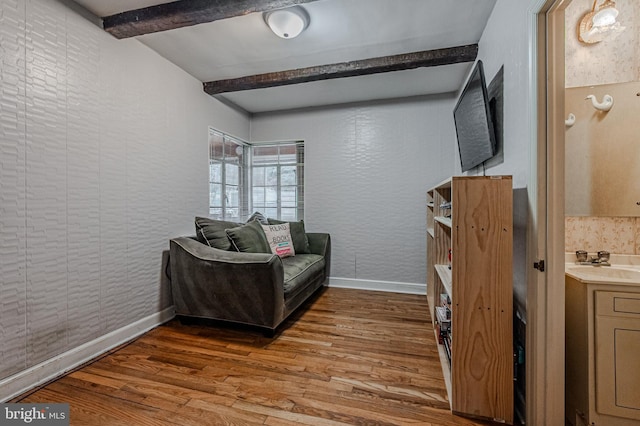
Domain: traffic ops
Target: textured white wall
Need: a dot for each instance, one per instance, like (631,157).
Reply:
(367,170)
(505,42)
(103,158)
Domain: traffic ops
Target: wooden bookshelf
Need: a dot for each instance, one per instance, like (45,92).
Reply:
(471,218)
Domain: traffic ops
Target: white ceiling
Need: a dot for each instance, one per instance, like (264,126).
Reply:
(339,31)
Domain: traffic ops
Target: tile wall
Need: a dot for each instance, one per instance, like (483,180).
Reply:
(620,235)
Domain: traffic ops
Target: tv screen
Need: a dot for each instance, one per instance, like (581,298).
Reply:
(472,116)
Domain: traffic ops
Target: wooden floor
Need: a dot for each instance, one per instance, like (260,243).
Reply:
(350,357)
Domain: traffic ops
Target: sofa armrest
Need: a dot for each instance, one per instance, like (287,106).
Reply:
(320,243)
(207,282)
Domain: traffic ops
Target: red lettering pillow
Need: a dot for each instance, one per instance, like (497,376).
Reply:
(279,237)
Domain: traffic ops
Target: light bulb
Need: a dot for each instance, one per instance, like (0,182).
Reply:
(606,14)
(605,17)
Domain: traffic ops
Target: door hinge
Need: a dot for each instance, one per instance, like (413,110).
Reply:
(539,265)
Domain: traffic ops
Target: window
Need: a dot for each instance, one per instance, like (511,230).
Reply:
(244,178)
(227,177)
(278,180)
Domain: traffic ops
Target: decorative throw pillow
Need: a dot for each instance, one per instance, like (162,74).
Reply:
(212,232)
(259,217)
(249,238)
(279,238)
(298,235)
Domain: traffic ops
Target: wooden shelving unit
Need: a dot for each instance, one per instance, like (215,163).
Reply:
(430,247)
(471,219)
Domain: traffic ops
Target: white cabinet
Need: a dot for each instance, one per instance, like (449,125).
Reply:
(602,353)
(618,354)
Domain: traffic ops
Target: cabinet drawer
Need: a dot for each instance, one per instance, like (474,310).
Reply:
(618,304)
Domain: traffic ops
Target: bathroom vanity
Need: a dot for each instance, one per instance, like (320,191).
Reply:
(602,367)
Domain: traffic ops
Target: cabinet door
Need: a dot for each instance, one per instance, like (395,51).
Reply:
(617,354)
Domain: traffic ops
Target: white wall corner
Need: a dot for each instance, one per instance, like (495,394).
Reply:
(59,365)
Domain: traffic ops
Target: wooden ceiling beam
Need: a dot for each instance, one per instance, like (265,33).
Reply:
(405,61)
(184,13)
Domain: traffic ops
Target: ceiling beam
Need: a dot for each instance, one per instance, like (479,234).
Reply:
(184,13)
(405,61)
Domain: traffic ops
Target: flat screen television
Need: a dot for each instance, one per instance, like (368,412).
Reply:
(474,126)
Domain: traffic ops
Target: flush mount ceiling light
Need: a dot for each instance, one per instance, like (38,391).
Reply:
(599,23)
(287,23)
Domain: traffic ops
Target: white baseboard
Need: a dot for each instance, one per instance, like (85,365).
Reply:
(39,374)
(389,286)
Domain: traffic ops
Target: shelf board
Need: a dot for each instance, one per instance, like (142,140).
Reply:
(446,221)
(445,276)
(430,232)
(430,303)
(444,184)
(430,204)
(446,370)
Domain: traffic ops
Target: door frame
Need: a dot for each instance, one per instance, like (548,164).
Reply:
(545,290)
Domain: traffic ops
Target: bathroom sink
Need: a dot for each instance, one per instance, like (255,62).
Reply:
(611,274)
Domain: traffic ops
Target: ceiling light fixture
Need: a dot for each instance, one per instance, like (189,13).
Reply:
(597,24)
(287,23)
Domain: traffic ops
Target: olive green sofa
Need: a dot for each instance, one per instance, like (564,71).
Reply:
(255,289)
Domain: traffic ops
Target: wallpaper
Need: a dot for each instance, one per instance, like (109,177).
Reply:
(620,235)
(614,60)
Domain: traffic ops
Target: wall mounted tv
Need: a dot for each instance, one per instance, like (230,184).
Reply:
(474,126)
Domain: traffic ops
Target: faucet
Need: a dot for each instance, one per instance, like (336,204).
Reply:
(602,259)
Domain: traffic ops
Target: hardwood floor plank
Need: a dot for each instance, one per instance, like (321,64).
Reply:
(350,357)
(349,414)
(301,418)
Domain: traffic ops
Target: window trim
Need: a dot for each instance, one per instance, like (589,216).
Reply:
(243,174)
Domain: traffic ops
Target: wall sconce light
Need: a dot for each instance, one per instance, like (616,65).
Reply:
(288,22)
(597,24)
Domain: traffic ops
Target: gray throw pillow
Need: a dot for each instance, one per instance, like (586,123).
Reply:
(249,238)
(298,235)
(212,232)
(259,217)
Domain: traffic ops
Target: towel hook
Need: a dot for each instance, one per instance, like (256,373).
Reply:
(605,105)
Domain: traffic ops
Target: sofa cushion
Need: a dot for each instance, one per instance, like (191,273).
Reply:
(212,232)
(249,238)
(299,271)
(279,239)
(298,235)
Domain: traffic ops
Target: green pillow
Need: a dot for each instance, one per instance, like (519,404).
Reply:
(249,238)
(298,235)
(212,232)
